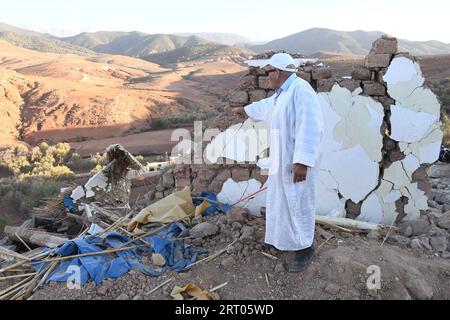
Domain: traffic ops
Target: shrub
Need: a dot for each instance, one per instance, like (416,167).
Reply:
(27,193)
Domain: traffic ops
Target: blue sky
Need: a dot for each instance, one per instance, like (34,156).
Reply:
(258,20)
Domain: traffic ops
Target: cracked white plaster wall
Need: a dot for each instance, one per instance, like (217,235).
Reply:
(243,142)
(410,126)
(356,174)
(360,122)
(415,116)
(415,125)
(327,191)
(351,148)
(380,206)
(233,191)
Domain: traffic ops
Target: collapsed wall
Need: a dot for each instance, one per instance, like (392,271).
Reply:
(382,131)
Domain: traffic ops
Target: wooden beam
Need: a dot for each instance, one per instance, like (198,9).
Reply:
(35,237)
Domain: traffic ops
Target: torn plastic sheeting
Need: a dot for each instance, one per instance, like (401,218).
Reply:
(177,206)
(207,204)
(101,267)
(178,255)
(69,204)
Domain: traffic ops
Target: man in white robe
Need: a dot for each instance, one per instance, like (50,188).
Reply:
(295,119)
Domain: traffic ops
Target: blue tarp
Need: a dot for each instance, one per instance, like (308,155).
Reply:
(179,256)
(69,204)
(215,205)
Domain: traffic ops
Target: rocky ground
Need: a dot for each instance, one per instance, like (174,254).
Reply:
(413,262)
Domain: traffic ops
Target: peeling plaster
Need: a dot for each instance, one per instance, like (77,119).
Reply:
(360,121)
(415,125)
(233,191)
(242,142)
(355,173)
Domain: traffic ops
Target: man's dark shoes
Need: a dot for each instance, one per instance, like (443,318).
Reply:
(301,260)
(266,245)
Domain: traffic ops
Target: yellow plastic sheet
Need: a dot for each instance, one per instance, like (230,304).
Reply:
(176,207)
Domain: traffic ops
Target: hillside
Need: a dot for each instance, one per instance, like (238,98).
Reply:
(229,39)
(54,97)
(359,42)
(197,52)
(36,41)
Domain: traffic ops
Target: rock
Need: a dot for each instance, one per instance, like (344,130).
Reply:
(353,209)
(248,82)
(378,61)
(386,102)
(325,85)
(445,255)
(442,198)
(246,251)
(374,89)
(322,73)
(385,45)
(228,263)
(203,230)
(374,235)
(236,226)
(236,215)
(103,289)
(438,171)
(160,188)
(351,85)
(399,240)
(416,245)
(264,83)
(425,242)
(438,241)
(240,174)
(414,228)
(159,195)
(158,260)
(332,289)
(419,289)
(247,234)
(167,179)
(239,97)
(257,95)
(138,297)
(123,296)
(444,221)
(361,74)
(304,75)
(279,268)
(396,156)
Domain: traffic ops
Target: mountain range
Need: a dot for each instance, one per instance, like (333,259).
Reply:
(358,42)
(173,48)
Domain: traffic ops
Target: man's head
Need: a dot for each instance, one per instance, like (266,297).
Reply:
(280,67)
